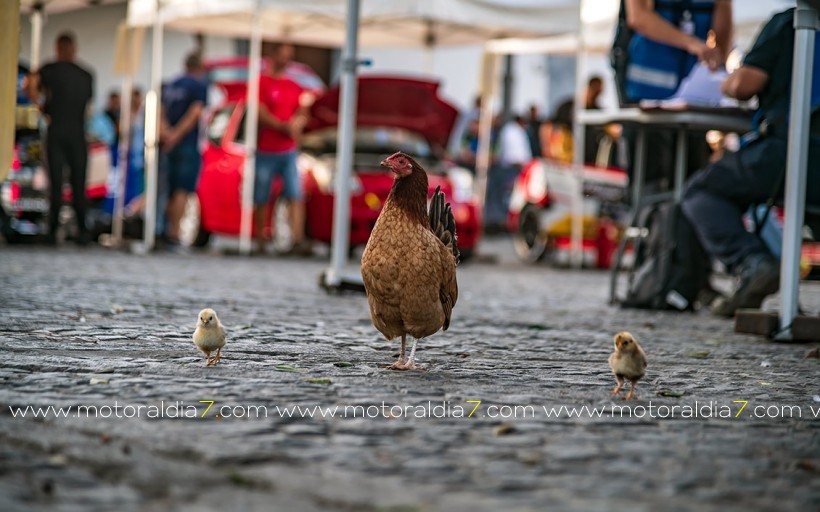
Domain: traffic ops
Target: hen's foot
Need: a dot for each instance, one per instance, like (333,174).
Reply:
(409,365)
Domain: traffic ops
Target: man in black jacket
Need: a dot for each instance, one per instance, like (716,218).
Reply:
(719,194)
(66,90)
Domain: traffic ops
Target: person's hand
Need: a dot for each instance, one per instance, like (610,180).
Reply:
(296,125)
(169,139)
(705,53)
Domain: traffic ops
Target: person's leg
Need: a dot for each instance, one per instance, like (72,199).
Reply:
(263,178)
(56,161)
(186,169)
(77,158)
(716,199)
(292,191)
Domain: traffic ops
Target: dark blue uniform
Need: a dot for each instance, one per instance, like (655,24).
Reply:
(718,195)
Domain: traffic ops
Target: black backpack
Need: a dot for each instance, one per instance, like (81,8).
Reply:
(671,267)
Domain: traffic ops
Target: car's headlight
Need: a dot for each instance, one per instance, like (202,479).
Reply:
(462,183)
(325,177)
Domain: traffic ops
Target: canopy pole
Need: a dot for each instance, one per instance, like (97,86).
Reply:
(36,35)
(345,140)
(123,150)
(152,122)
(251,126)
(490,66)
(805,24)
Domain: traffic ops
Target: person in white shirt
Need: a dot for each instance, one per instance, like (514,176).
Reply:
(513,153)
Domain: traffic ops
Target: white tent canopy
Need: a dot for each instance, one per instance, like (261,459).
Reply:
(419,23)
(383,22)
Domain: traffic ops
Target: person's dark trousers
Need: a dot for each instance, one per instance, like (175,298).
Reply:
(67,149)
(716,198)
(500,183)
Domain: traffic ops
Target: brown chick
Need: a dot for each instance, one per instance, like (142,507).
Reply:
(409,263)
(628,361)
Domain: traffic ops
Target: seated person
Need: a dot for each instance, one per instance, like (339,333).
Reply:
(717,196)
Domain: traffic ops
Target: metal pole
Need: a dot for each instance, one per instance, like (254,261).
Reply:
(36,36)
(152,122)
(485,127)
(123,149)
(805,24)
(579,140)
(251,125)
(344,162)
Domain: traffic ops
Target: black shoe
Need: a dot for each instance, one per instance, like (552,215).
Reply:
(759,277)
(83,238)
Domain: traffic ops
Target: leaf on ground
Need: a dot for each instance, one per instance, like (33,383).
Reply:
(698,354)
(537,327)
(286,368)
(96,380)
(503,430)
(670,393)
(319,381)
(342,364)
(764,383)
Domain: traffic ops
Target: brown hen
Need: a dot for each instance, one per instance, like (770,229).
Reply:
(409,264)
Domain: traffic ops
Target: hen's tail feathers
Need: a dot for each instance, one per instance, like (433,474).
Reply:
(442,223)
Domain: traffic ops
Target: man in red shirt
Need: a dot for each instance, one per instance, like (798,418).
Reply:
(281,121)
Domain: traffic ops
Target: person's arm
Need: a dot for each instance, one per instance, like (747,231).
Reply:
(642,18)
(172,135)
(723,27)
(33,86)
(268,119)
(744,82)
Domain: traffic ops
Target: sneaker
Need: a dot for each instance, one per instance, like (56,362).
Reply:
(758,277)
(300,250)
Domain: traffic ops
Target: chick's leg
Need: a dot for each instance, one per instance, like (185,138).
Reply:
(399,365)
(208,359)
(617,390)
(218,355)
(631,392)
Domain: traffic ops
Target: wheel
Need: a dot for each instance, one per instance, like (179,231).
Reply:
(191,231)
(529,240)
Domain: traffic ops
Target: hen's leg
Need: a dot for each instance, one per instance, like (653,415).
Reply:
(617,390)
(631,393)
(410,365)
(399,365)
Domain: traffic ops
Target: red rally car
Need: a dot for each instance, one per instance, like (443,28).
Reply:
(394,114)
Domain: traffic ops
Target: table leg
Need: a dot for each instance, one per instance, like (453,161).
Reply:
(681,162)
(637,186)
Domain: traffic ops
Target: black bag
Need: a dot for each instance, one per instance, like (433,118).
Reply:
(619,54)
(671,267)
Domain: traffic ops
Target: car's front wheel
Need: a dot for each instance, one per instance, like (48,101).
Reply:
(530,240)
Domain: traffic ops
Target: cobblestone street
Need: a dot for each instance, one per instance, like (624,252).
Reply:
(111,330)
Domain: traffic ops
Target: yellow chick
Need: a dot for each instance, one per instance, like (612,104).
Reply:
(209,335)
(628,361)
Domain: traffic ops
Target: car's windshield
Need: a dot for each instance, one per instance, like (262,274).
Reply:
(370,140)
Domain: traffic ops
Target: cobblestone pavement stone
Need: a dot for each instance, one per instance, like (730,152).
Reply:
(100,328)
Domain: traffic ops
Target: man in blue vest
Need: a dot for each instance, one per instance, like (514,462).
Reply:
(665,40)
(670,36)
(718,195)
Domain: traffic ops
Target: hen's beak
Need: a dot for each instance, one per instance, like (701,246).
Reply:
(384,163)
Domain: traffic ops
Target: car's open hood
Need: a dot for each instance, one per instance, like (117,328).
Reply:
(395,102)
